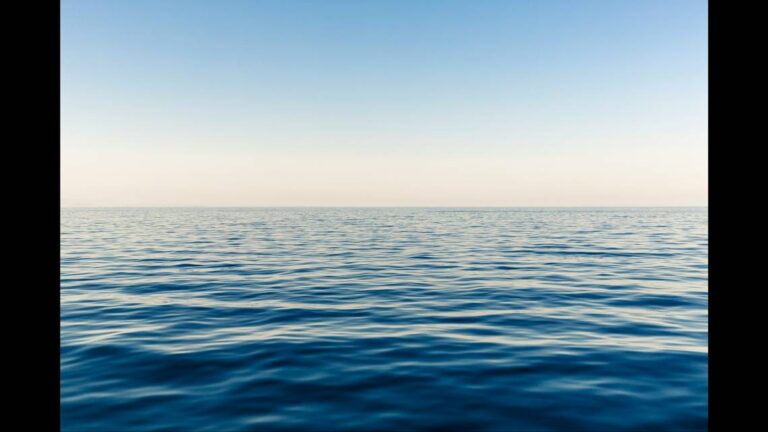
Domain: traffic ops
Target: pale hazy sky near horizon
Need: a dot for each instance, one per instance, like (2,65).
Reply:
(384,102)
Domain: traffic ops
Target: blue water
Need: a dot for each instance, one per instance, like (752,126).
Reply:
(383,319)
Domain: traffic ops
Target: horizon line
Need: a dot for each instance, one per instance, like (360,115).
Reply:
(374,206)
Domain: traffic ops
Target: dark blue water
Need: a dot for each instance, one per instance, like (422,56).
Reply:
(383,319)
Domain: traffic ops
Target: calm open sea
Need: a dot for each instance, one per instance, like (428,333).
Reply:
(383,319)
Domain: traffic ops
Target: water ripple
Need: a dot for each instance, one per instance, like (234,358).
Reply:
(383,319)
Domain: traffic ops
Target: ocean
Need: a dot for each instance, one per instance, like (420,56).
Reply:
(391,319)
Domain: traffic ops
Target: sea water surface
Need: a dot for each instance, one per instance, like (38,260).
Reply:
(323,319)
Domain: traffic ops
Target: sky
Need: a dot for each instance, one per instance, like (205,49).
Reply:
(384,103)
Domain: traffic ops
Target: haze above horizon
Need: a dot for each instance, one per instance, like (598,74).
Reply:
(384,103)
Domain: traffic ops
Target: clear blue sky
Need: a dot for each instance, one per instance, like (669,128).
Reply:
(363,102)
